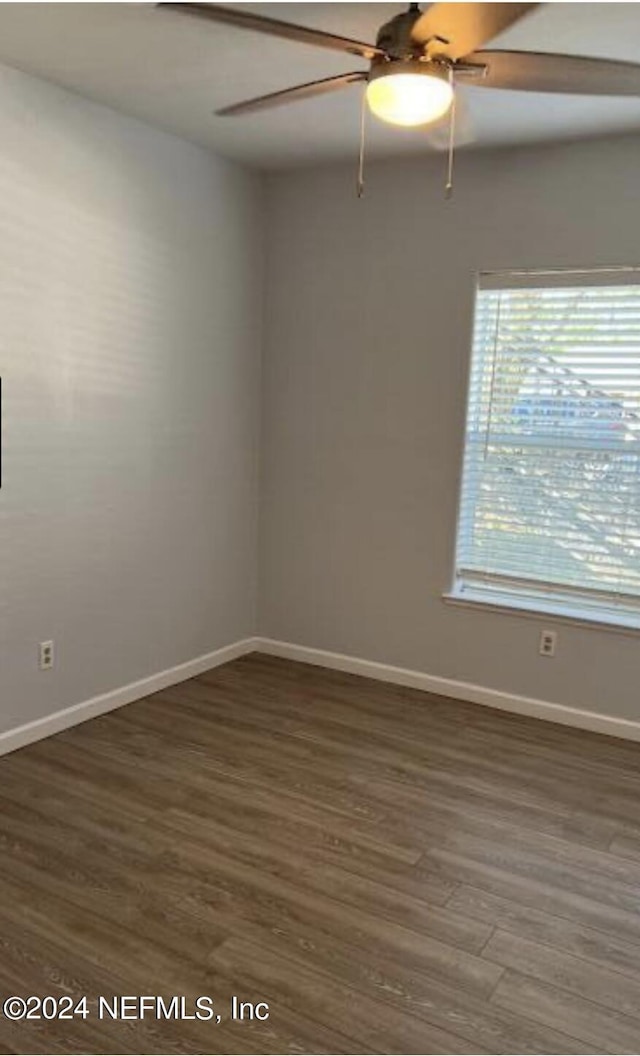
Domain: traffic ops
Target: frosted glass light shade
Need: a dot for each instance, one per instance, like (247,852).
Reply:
(409,98)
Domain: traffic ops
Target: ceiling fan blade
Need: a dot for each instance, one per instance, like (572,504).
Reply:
(288,30)
(293,95)
(531,71)
(462,28)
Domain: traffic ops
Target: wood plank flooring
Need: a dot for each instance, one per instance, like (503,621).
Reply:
(391,871)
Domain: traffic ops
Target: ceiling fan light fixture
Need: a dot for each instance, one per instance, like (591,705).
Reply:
(408,93)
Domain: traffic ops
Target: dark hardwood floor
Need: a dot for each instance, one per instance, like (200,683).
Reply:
(392,872)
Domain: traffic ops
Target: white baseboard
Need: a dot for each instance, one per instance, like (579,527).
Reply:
(447,687)
(444,687)
(89,709)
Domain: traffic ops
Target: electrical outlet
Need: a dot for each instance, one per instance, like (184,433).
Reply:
(548,643)
(46,655)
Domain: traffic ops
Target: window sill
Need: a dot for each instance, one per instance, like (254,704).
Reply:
(536,608)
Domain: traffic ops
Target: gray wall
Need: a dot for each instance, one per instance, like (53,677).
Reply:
(130,326)
(131,320)
(368,331)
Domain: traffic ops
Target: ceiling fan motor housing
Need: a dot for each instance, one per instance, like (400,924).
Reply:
(395,38)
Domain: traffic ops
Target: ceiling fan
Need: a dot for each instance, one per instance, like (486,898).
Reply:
(419,56)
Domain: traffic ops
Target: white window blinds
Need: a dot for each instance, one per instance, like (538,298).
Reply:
(550,497)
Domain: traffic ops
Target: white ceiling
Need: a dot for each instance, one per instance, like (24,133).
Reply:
(173,71)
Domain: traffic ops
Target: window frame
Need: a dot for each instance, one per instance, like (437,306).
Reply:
(538,600)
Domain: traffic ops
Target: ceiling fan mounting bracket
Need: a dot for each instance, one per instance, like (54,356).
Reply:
(472,69)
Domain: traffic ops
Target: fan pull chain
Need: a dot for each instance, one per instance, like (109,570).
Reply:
(448,191)
(363,125)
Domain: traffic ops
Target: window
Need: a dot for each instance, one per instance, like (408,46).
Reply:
(550,499)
